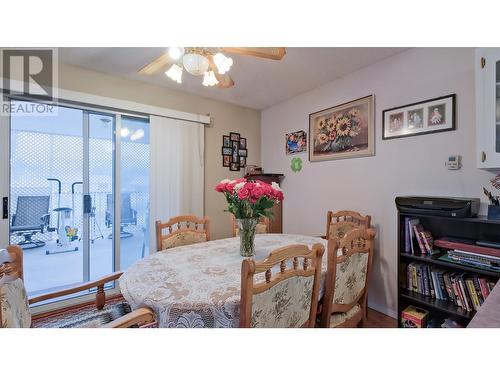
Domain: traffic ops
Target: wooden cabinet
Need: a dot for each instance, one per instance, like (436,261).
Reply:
(276,224)
(487,71)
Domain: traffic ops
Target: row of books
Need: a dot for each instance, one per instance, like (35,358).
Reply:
(460,251)
(464,290)
(418,240)
(475,260)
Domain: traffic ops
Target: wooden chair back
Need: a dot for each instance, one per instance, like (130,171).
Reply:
(287,299)
(341,222)
(182,230)
(348,274)
(262,228)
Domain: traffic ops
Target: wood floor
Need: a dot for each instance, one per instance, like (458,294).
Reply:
(379,320)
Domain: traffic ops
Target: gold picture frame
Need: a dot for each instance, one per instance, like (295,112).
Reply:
(343,131)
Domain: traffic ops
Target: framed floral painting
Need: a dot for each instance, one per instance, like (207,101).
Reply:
(344,131)
(429,116)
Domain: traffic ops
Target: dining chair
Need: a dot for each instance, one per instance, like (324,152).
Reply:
(15,306)
(341,222)
(262,227)
(182,230)
(287,299)
(347,277)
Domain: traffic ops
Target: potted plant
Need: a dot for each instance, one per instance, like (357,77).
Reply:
(248,202)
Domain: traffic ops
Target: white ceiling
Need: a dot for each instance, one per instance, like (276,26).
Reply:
(259,83)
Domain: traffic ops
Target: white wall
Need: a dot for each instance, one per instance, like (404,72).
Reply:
(413,165)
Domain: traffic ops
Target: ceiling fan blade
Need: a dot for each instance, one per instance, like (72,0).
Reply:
(157,65)
(273,53)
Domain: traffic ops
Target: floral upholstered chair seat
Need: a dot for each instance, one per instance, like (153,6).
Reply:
(341,317)
(349,264)
(14,305)
(181,231)
(342,222)
(287,299)
(350,278)
(340,229)
(286,305)
(182,239)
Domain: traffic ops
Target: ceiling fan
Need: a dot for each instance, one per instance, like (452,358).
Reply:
(209,62)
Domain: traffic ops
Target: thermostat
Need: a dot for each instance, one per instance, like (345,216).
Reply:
(454,162)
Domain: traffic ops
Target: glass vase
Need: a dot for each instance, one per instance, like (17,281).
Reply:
(246,228)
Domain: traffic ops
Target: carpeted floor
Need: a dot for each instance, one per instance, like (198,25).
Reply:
(85,316)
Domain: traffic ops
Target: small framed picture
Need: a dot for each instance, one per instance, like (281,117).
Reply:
(243,143)
(226,141)
(227,151)
(243,161)
(296,142)
(242,152)
(428,116)
(234,167)
(226,160)
(234,136)
(235,149)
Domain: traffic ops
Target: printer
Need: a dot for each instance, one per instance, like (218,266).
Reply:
(438,206)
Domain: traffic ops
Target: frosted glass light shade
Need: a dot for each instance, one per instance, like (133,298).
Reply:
(175,73)
(195,64)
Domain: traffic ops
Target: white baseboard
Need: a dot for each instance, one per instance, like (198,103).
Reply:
(383,309)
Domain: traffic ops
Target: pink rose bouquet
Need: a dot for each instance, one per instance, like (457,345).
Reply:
(248,200)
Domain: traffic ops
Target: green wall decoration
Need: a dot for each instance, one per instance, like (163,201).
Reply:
(296,164)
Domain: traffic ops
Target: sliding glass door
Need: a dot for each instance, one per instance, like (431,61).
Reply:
(78,194)
(57,190)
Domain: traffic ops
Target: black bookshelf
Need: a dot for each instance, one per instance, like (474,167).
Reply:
(476,228)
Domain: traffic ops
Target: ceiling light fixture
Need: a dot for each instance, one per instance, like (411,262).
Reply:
(222,63)
(195,63)
(176,53)
(209,79)
(175,73)
(200,60)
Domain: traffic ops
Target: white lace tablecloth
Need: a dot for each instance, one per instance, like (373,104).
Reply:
(199,285)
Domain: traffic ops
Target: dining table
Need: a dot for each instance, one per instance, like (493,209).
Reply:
(199,285)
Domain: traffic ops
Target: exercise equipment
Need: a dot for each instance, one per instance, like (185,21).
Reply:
(63,213)
(31,217)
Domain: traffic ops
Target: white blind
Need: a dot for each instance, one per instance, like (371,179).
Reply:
(177,169)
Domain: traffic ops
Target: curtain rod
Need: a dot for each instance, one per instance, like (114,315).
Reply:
(145,111)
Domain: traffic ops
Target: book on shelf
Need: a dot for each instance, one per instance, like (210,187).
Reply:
(471,260)
(407,236)
(411,233)
(465,290)
(466,245)
(418,240)
(418,228)
(428,241)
